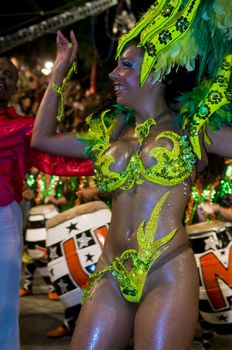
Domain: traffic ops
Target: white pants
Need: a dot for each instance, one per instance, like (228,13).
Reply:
(10,269)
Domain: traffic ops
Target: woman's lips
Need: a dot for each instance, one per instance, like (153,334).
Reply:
(118,88)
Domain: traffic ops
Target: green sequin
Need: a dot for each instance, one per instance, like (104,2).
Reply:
(132,282)
(162,26)
(216,97)
(172,167)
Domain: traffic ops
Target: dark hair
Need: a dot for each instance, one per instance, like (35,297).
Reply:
(179,81)
(216,167)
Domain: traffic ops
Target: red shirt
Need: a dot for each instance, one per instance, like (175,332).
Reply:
(16,157)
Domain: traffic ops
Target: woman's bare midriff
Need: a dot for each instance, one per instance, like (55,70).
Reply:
(134,206)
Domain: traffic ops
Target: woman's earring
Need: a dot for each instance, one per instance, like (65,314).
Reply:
(155,82)
(156,77)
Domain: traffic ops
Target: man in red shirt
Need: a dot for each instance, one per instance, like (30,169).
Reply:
(16,157)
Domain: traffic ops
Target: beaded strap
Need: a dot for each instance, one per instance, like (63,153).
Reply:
(219,94)
(60,90)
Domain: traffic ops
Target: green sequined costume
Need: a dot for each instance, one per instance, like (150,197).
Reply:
(131,282)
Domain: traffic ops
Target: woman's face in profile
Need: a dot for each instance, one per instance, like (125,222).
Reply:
(126,77)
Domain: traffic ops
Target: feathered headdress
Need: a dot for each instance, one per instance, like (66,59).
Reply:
(177,33)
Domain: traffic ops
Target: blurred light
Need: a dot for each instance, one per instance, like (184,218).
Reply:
(46,71)
(15,62)
(48,65)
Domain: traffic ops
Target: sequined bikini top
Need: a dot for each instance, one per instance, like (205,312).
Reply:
(172,167)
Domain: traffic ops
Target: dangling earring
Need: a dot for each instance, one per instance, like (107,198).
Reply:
(157,82)
(157,78)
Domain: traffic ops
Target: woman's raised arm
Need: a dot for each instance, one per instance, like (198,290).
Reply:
(45,137)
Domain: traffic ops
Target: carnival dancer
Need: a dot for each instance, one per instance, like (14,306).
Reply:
(146,282)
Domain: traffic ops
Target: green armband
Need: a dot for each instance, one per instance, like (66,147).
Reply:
(60,91)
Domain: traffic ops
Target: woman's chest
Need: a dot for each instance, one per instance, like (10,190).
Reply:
(129,150)
(163,157)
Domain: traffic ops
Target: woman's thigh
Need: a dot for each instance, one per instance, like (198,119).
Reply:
(106,321)
(168,313)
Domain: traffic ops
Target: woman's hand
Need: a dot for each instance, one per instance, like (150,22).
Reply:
(209,208)
(225,213)
(66,53)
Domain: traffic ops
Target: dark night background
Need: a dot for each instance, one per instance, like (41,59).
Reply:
(93,33)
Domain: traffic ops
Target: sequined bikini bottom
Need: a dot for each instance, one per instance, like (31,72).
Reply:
(131,281)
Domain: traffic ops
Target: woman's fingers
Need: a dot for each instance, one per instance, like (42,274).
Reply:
(208,208)
(66,51)
(62,42)
(74,45)
(73,38)
(66,47)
